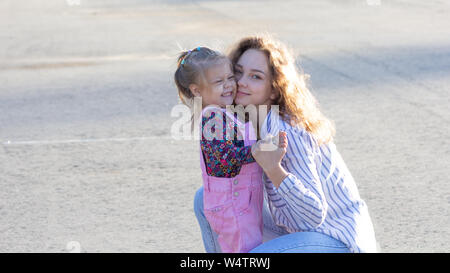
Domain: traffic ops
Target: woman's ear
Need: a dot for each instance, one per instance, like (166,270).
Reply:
(195,89)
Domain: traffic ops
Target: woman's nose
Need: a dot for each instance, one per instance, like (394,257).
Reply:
(241,81)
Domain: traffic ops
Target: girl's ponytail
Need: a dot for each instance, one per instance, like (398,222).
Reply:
(182,80)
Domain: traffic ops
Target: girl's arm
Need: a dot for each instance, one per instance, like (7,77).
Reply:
(224,154)
(235,149)
(224,150)
(294,188)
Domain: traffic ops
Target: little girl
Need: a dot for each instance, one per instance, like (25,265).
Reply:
(232,180)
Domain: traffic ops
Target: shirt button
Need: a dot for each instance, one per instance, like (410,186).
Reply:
(236,193)
(235,182)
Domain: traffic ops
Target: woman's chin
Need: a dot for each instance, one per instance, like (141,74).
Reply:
(241,101)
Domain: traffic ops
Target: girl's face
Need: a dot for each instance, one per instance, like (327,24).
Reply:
(254,80)
(219,85)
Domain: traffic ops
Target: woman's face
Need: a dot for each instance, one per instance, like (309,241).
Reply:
(254,80)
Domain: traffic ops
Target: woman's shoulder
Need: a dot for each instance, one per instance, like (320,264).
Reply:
(285,124)
(301,135)
(294,130)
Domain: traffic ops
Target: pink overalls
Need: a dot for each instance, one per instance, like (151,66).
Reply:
(233,206)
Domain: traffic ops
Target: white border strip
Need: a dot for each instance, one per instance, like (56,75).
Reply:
(90,140)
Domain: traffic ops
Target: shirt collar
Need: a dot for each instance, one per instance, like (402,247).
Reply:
(271,123)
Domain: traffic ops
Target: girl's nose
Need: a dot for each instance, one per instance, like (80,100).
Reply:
(229,83)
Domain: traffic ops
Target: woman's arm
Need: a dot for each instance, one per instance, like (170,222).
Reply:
(269,156)
(297,194)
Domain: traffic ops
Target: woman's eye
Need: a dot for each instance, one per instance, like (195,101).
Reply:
(231,78)
(219,81)
(256,77)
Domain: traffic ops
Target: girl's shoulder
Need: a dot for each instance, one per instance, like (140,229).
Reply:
(216,114)
(221,114)
(220,122)
(211,111)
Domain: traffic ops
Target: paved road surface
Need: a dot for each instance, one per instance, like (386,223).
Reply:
(87,162)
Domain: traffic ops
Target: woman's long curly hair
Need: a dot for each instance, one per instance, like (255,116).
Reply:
(296,103)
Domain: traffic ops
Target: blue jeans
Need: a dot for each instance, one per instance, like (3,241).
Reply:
(275,238)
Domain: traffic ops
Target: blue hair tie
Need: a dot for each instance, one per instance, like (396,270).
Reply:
(189,52)
(185,56)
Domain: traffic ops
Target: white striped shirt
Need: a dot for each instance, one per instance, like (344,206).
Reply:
(319,193)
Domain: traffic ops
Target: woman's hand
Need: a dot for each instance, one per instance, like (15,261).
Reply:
(269,154)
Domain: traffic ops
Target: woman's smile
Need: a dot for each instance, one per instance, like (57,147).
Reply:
(242,93)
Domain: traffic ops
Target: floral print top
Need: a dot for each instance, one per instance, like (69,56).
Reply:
(223,157)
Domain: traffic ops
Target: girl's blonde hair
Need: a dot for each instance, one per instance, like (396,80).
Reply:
(191,66)
(296,103)
(190,69)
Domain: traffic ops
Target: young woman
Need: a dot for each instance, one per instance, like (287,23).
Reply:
(311,200)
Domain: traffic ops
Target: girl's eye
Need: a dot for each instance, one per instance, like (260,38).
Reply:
(231,78)
(219,81)
(256,77)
